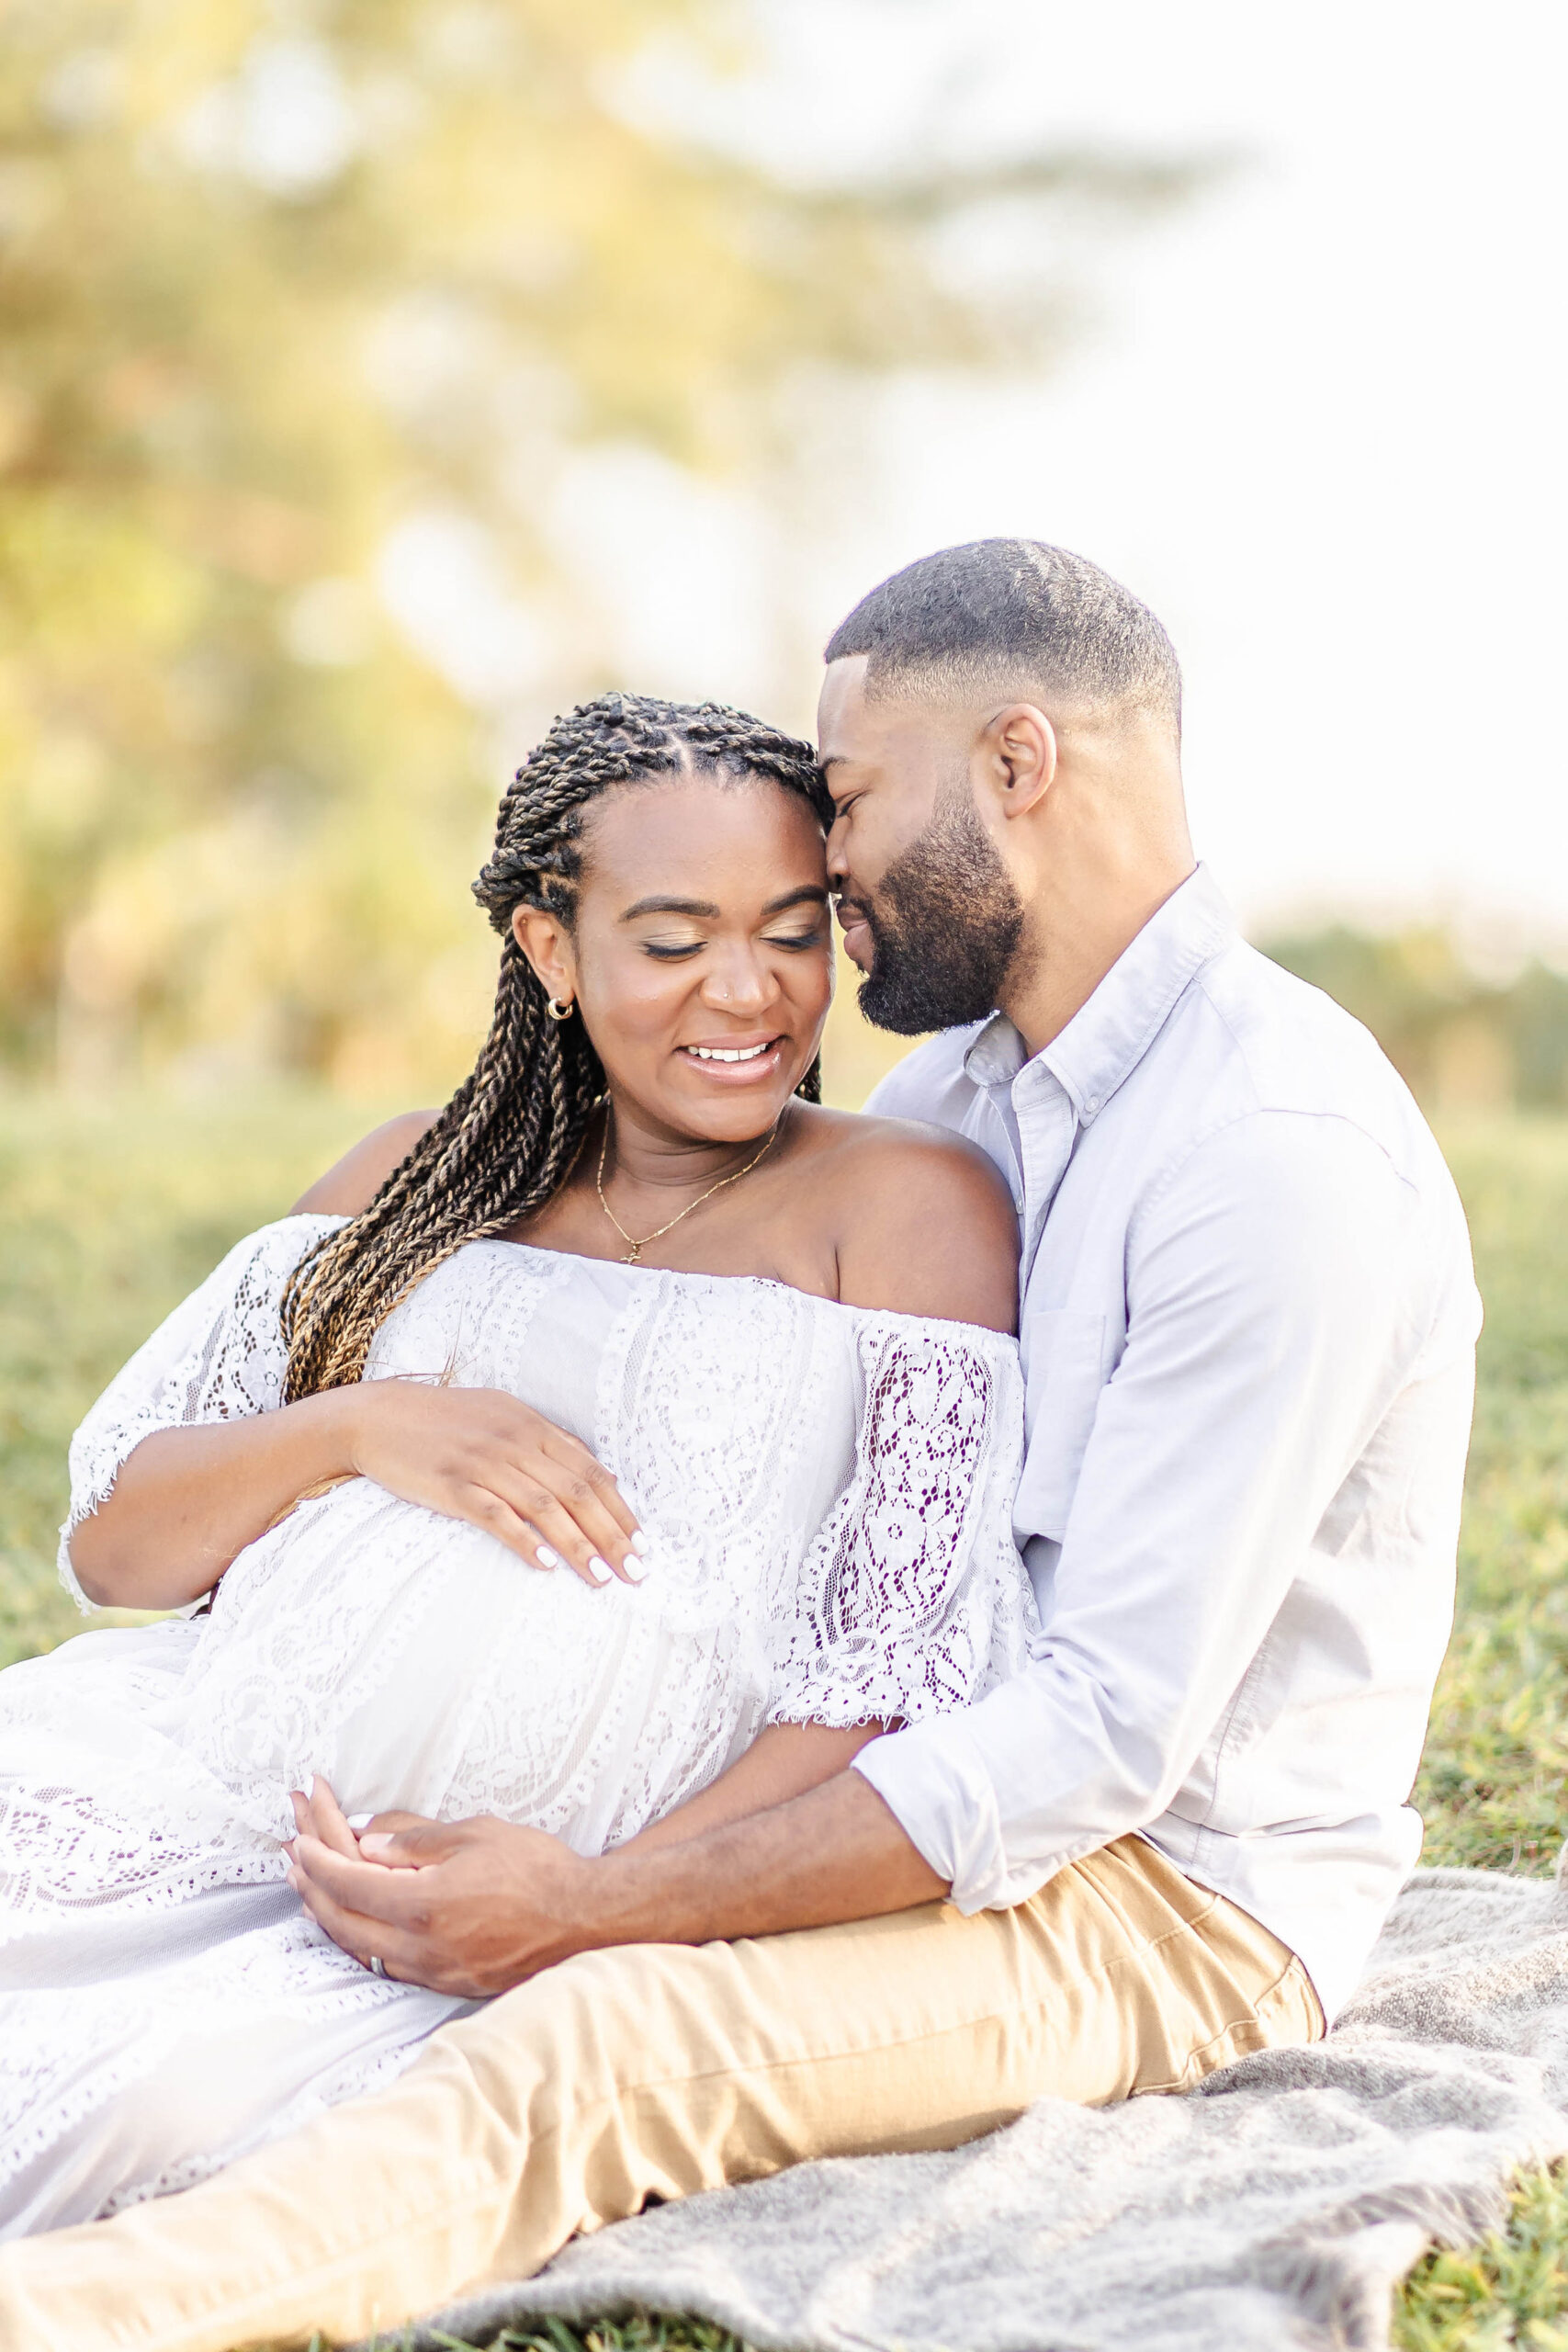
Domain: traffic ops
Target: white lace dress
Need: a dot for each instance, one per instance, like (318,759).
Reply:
(828,1496)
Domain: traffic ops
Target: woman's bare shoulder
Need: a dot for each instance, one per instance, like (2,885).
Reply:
(353,1182)
(925,1222)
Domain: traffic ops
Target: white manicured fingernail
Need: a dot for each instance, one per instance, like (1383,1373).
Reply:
(600,1570)
(634,1571)
(639,1542)
(359,1821)
(546,1558)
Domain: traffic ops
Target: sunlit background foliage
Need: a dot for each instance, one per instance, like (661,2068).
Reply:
(1476,1031)
(304,313)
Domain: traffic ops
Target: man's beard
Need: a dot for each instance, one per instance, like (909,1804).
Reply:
(944,930)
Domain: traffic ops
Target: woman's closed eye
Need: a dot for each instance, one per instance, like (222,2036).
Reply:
(671,951)
(679,951)
(798,940)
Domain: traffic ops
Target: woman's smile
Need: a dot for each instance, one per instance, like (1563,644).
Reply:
(742,1061)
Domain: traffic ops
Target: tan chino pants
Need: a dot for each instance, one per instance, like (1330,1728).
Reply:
(657,2070)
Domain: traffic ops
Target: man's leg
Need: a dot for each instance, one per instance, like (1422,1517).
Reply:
(658,2070)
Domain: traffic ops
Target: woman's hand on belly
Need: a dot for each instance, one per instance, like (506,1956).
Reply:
(188,1500)
(481,1455)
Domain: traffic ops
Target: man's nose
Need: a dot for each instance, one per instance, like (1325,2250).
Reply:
(838,864)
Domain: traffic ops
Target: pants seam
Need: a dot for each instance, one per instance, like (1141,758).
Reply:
(1185,2080)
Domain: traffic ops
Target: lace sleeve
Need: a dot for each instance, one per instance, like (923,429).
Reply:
(913,1598)
(218,1356)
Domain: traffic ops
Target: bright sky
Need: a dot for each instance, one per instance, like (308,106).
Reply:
(1319,424)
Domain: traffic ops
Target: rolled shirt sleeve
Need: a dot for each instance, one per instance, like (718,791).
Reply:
(1278,1302)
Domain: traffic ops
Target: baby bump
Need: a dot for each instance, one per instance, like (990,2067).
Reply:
(400,1655)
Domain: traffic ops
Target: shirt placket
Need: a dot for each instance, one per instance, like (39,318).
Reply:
(1046,1126)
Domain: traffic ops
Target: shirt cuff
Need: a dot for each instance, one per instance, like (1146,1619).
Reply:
(933,1779)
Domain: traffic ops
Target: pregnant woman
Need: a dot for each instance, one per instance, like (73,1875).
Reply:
(614,1452)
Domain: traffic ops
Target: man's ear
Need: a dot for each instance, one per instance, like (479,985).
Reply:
(1017,755)
(546,943)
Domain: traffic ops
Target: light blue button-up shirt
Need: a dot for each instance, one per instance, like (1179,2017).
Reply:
(1247,1323)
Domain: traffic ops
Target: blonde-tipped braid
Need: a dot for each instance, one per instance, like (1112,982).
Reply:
(507,1138)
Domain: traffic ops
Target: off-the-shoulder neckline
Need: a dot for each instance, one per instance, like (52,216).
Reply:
(695,1274)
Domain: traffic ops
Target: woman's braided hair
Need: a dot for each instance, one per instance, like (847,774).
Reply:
(510,1135)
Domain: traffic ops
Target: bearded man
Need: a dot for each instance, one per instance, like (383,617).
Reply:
(1248,1322)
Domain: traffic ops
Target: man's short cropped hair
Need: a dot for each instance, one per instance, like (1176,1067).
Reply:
(1012,619)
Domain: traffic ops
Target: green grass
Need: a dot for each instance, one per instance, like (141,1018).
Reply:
(650,2332)
(1513,2290)
(1492,1784)
(110,1212)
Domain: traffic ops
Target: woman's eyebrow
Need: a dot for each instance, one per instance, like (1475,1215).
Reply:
(810,894)
(703,909)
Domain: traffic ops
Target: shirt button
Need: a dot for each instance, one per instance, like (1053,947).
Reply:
(1093,1102)
(1019,1206)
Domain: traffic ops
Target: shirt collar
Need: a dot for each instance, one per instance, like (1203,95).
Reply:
(1106,1038)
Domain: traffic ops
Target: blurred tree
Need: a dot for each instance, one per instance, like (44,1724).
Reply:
(296,300)
(1459,1042)
(1407,986)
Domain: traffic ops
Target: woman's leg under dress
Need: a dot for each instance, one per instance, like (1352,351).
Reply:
(139,2052)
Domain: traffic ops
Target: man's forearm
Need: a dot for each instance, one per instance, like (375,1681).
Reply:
(837,1852)
(477,1906)
(785,1760)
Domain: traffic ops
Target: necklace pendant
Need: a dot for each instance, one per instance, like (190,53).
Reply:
(633,1254)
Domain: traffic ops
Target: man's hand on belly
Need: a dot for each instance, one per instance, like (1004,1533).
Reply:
(465,1906)
(474,1907)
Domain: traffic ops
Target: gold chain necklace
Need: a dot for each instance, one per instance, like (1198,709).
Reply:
(636,1249)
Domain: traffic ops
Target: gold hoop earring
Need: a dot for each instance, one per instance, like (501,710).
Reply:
(556,1011)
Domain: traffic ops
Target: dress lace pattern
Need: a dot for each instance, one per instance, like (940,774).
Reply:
(827,1492)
